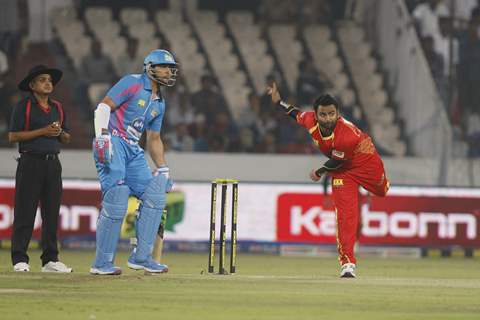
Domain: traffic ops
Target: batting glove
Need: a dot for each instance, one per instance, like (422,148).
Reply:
(102,148)
(165,171)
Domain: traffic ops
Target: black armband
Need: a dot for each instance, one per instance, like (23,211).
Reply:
(333,164)
(290,110)
(330,165)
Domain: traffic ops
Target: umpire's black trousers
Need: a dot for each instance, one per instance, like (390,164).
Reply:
(38,179)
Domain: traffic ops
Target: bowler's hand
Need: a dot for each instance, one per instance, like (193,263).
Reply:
(314,176)
(102,149)
(272,91)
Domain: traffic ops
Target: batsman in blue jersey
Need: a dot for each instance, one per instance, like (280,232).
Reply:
(133,105)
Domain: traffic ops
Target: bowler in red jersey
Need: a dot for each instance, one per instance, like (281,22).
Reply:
(353,162)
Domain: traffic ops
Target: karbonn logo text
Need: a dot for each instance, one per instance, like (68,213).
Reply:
(405,224)
(69,217)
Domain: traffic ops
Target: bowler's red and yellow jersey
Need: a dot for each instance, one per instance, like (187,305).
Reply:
(347,142)
(350,144)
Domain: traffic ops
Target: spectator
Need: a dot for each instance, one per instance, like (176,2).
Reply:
(299,143)
(249,114)
(208,101)
(180,139)
(246,140)
(308,83)
(473,135)
(314,11)
(267,144)
(436,64)
(97,67)
(8,98)
(266,122)
(198,131)
(278,10)
(179,109)
(11,26)
(469,69)
(426,17)
(463,9)
(442,43)
(223,136)
(3,62)
(285,131)
(128,61)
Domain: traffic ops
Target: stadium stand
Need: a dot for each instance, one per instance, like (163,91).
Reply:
(372,95)
(243,47)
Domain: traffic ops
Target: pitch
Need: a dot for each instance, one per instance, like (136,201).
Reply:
(265,287)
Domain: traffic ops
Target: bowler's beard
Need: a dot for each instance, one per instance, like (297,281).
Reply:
(327,127)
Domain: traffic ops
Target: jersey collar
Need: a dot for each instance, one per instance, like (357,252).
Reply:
(146,82)
(32,97)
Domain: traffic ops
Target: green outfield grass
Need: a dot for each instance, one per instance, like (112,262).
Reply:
(265,287)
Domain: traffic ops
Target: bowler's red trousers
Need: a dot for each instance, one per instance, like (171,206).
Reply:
(345,183)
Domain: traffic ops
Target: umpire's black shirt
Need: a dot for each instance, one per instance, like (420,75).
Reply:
(38,118)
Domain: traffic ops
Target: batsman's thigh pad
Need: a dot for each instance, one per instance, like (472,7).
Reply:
(114,208)
(153,202)
(114,174)
(138,175)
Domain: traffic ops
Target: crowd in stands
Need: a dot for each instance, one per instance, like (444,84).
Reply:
(195,120)
(451,42)
(201,120)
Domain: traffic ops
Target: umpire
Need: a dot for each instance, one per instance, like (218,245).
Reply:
(38,125)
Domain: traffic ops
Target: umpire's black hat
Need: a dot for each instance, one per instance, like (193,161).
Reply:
(37,70)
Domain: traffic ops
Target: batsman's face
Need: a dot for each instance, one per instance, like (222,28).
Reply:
(162,71)
(42,84)
(327,116)
(165,74)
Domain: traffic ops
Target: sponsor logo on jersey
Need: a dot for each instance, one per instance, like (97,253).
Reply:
(154,113)
(135,129)
(337,182)
(338,154)
(141,103)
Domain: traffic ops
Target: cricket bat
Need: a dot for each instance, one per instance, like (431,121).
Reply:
(158,245)
(157,249)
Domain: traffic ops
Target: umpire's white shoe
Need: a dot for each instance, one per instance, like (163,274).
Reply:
(56,266)
(21,267)
(347,270)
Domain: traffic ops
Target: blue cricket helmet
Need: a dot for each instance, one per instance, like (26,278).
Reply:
(161,57)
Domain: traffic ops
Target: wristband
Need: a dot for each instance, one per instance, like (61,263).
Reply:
(319,172)
(284,104)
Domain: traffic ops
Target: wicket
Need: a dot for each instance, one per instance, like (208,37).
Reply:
(223,218)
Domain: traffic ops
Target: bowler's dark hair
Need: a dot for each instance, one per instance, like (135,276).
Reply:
(325,100)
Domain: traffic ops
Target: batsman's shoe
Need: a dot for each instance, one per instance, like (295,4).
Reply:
(347,270)
(108,270)
(21,267)
(56,266)
(149,265)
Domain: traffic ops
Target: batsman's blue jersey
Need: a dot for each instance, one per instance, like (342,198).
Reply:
(136,111)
